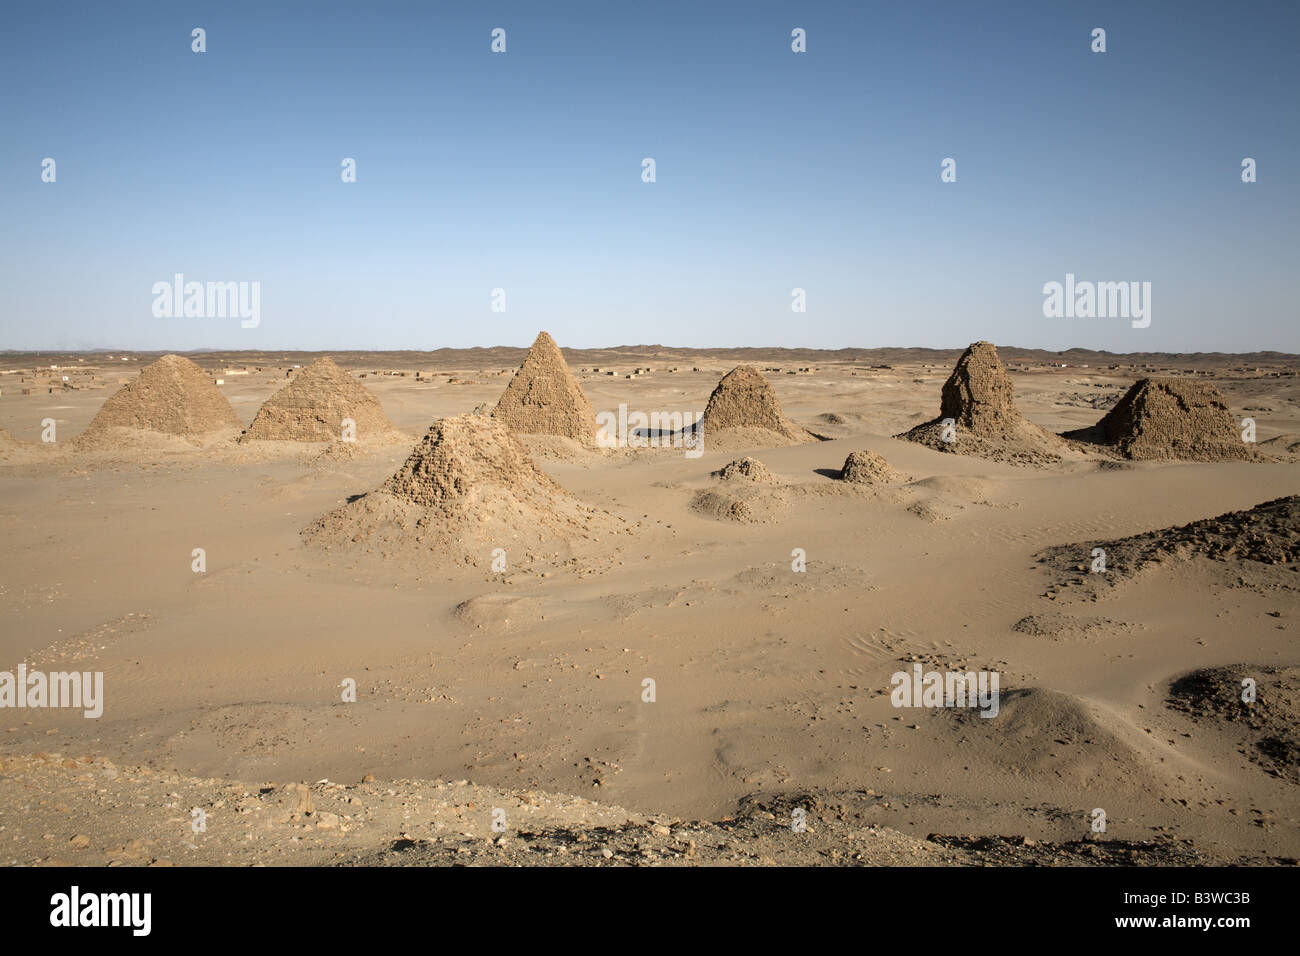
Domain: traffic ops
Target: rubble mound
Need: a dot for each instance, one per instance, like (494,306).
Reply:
(744,505)
(1283,444)
(746,469)
(1267,534)
(1051,739)
(1266,730)
(868,468)
(749,494)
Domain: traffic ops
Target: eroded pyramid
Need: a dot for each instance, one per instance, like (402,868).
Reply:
(544,398)
(978,415)
(744,409)
(978,393)
(1168,418)
(467,488)
(313,406)
(171,396)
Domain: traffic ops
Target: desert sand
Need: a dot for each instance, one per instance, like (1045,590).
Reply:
(499,589)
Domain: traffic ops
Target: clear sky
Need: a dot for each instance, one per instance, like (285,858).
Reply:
(775,170)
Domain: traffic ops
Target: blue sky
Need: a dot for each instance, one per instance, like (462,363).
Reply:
(775,170)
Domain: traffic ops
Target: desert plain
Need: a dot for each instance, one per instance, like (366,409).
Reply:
(499,662)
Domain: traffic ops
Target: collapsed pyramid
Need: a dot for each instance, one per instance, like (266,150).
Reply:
(543,397)
(461,462)
(980,400)
(744,408)
(978,394)
(172,396)
(467,488)
(314,404)
(1170,419)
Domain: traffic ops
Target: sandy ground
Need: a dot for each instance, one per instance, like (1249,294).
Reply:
(771,685)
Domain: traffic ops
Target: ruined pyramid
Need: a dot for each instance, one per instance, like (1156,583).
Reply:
(978,393)
(313,406)
(979,399)
(544,398)
(1170,419)
(744,410)
(172,396)
(467,488)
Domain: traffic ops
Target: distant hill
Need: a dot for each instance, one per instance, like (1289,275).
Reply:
(511,356)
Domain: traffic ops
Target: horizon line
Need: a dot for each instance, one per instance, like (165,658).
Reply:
(99,350)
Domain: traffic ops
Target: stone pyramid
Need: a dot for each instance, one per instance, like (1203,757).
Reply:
(545,398)
(980,399)
(1171,419)
(978,393)
(745,405)
(172,396)
(467,488)
(461,461)
(314,404)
